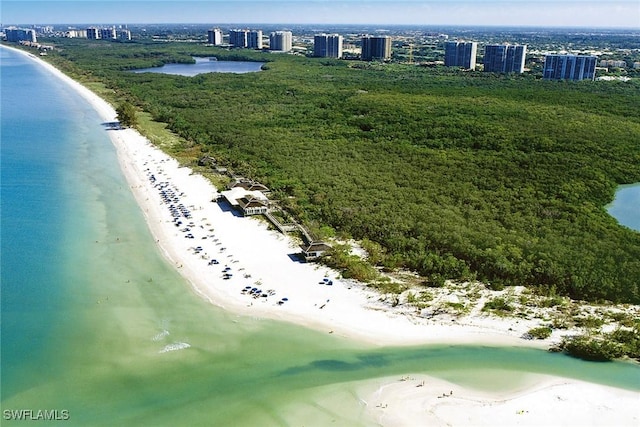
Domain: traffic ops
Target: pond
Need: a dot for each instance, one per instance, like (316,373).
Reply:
(626,206)
(205,65)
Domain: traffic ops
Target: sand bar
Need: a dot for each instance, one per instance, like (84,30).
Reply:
(541,401)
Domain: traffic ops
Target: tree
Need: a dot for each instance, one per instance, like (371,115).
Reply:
(454,175)
(127,114)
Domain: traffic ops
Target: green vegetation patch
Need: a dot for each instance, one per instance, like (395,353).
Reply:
(620,343)
(454,175)
(540,333)
(498,305)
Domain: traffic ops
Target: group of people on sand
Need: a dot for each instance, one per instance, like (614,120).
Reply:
(180,214)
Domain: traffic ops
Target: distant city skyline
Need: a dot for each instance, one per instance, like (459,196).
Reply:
(534,13)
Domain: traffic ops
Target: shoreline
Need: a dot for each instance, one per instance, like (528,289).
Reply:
(259,257)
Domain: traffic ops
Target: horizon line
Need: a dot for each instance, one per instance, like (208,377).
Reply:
(515,26)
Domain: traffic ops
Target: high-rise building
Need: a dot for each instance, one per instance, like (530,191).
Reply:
(376,48)
(14,34)
(125,35)
(460,54)
(246,38)
(238,38)
(504,58)
(327,45)
(108,33)
(569,67)
(93,33)
(214,36)
(75,33)
(254,39)
(281,41)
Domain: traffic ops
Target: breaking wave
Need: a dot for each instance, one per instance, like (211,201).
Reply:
(175,347)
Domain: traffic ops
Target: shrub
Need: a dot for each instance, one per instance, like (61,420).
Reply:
(541,333)
(624,319)
(552,301)
(496,286)
(435,281)
(559,322)
(497,304)
(629,339)
(592,348)
(589,322)
(388,287)
(411,298)
(456,305)
(351,266)
(524,300)
(375,252)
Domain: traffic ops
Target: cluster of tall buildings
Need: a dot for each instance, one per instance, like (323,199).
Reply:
(507,58)
(501,58)
(102,33)
(498,58)
(324,45)
(373,47)
(252,39)
(14,34)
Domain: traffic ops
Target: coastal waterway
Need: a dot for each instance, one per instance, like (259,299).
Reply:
(96,322)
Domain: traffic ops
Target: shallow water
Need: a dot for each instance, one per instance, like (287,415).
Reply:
(96,322)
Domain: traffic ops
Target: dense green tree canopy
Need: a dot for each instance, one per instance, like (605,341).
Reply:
(461,175)
(127,114)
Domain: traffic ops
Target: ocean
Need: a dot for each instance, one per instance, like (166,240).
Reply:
(98,326)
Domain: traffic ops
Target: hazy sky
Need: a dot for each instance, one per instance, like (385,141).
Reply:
(563,13)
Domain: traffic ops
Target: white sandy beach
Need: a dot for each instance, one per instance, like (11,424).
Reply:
(541,401)
(259,257)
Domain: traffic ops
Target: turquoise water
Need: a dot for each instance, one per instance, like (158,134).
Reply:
(626,206)
(89,306)
(204,65)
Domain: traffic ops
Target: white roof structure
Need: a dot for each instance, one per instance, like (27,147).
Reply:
(237,193)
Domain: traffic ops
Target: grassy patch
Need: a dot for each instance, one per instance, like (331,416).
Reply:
(498,305)
(541,333)
(158,133)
